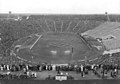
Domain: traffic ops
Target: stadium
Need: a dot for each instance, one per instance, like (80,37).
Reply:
(60,48)
(84,46)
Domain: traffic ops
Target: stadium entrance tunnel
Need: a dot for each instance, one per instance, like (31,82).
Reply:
(57,48)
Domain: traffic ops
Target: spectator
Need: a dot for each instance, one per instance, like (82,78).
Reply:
(82,70)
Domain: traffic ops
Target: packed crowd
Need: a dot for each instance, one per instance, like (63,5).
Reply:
(99,70)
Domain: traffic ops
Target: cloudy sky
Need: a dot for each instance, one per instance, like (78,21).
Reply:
(60,6)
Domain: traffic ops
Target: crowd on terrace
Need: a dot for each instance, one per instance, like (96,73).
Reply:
(99,70)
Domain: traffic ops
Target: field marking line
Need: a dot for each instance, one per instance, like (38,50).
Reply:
(76,26)
(22,47)
(68,26)
(54,25)
(77,31)
(47,25)
(93,59)
(61,25)
(35,42)
(80,28)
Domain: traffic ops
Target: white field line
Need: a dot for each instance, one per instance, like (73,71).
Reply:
(26,37)
(79,28)
(77,31)
(35,42)
(22,47)
(76,25)
(93,59)
(69,25)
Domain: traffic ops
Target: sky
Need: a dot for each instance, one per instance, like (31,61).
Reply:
(60,6)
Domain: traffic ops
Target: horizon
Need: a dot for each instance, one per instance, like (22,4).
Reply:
(58,14)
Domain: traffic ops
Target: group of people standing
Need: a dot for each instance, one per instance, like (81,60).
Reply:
(99,70)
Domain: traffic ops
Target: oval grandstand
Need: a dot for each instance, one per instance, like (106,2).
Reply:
(57,48)
(46,42)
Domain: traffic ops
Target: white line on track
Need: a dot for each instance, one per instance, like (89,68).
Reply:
(76,25)
(77,31)
(93,59)
(80,28)
(35,42)
(68,26)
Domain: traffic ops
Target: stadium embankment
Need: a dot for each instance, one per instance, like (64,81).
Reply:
(108,32)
